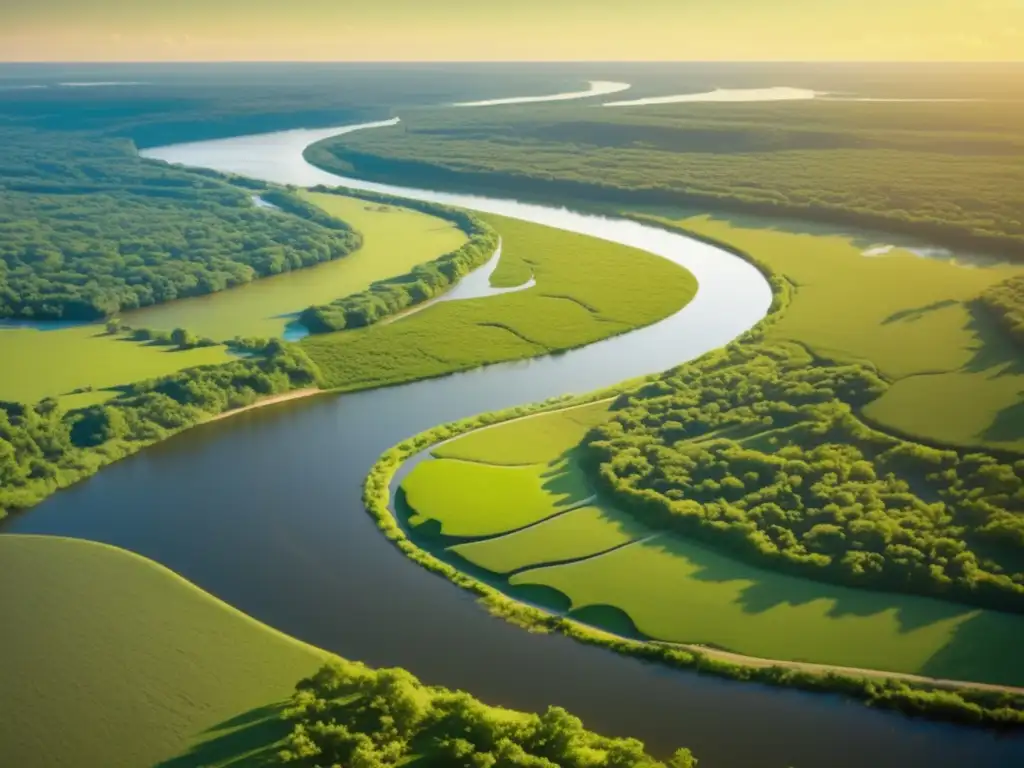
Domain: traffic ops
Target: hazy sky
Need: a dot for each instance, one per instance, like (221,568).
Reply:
(450,30)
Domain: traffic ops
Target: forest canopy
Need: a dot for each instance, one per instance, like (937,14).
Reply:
(758,450)
(935,170)
(347,714)
(88,229)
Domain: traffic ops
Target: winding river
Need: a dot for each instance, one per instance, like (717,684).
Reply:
(264,510)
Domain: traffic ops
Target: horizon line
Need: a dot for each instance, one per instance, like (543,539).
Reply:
(513,61)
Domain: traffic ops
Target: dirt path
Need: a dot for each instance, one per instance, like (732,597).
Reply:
(273,400)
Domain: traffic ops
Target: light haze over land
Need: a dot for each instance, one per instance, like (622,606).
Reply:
(529,30)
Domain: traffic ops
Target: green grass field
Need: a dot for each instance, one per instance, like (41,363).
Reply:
(587,289)
(581,532)
(532,440)
(40,364)
(957,378)
(678,591)
(394,241)
(474,499)
(489,483)
(112,660)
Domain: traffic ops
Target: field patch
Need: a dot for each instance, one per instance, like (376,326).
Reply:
(112,660)
(575,534)
(677,591)
(586,290)
(531,440)
(905,315)
(54,363)
(395,240)
(468,499)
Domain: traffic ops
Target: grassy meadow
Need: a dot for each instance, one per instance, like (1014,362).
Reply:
(956,378)
(394,241)
(495,486)
(112,660)
(586,290)
(527,441)
(469,499)
(679,591)
(54,363)
(578,533)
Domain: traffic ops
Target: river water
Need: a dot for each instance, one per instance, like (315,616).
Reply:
(264,511)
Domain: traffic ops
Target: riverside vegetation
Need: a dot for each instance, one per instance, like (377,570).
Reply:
(938,170)
(586,289)
(963,704)
(89,230)
(760,451)
(168,675)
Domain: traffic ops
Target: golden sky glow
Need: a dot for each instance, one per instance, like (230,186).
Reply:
(510,30)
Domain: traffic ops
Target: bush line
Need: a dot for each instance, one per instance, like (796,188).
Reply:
(393,295)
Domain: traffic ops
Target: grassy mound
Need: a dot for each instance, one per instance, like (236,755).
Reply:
(112,660)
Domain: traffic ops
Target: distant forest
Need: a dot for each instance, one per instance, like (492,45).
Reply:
(87,229)
(945,171)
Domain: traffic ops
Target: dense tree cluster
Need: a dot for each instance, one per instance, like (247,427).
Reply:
(388,297)
(933,170)
(43,448)
(1005,302)
(88,229)
(347,714)
(757,449)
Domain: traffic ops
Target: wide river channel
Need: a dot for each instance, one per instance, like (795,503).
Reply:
(264,511)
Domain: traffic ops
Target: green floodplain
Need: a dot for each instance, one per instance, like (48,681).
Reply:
(395,239)
(956,377)
(513,500)
(586,289)
(522,506)
(55,362)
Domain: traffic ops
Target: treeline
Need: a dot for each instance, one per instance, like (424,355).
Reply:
(347,714)
(43,448)
(425,281)
(1005,302)
(924,170)
(88,229)
(756,450)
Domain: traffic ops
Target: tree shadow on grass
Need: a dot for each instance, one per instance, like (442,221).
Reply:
(994,348)
(1007,425)
(250,739)
(609,618)
(765,590)
(565,479)
(985,648)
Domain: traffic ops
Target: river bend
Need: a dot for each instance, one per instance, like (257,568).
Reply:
(264,511)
